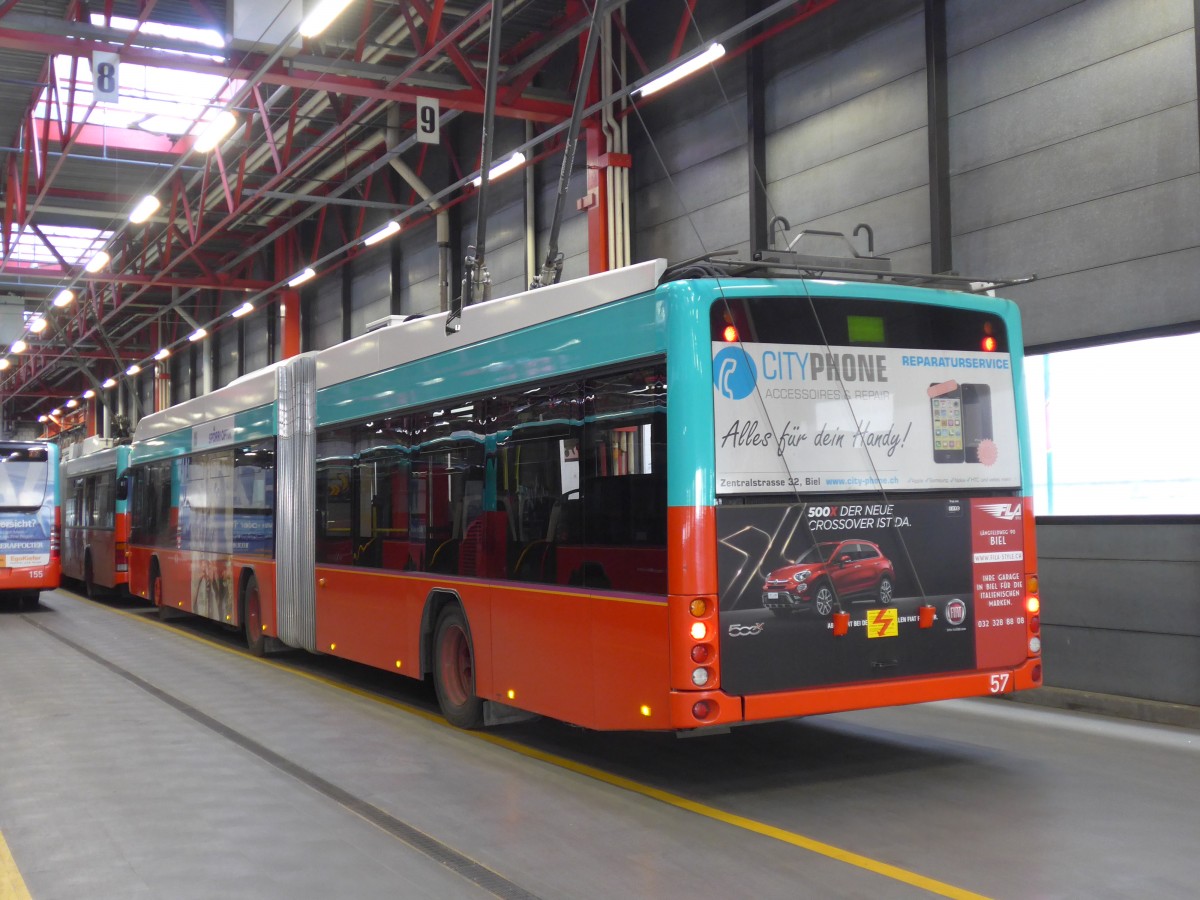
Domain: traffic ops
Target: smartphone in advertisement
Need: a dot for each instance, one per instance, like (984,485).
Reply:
(976,418)
(945,402)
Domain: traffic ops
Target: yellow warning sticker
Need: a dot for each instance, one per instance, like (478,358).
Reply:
(883,623)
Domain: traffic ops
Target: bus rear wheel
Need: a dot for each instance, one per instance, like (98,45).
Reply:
(256,642)
(454,670)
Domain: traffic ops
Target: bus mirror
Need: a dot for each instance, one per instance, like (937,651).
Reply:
(123,487)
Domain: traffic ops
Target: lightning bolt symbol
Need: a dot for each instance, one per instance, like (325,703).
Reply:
(880,621)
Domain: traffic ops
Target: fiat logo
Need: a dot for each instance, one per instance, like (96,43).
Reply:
(956,612)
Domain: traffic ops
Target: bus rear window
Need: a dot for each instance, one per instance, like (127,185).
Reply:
(855,322)
(23,476)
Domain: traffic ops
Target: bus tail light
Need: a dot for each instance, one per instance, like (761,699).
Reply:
(695,646)
(55,536)
(705,710)
(122,556)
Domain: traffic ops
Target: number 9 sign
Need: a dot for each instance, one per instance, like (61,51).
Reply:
(428,121)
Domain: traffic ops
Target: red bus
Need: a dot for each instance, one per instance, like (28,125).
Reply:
(95,520)
(29,520)
(579,505)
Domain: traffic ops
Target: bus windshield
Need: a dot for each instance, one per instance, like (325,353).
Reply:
(24,474)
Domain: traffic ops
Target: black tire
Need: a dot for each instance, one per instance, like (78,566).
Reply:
(256,641)
(454,670)
(885,590)
(824,599)
(28,600)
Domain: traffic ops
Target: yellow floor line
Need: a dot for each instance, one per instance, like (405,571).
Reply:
(848,857)
(12,885)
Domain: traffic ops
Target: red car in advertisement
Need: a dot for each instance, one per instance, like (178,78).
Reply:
(827,573)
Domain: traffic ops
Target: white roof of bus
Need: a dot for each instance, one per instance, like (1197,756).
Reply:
(252,390)
(99,461)
(419,338)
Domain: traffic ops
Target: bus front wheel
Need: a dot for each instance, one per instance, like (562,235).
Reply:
(454,670)
(256,642)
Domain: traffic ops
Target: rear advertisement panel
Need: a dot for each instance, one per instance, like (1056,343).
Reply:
(784,569)
(799,417)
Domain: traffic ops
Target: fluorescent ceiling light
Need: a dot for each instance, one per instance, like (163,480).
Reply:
(713,53)
(109,382)
(162,354)
(318,20)
(302,277)
(18,346)
(386,231)
(144,210)
(245,309)
(97,262)
(215,132)
(37,325)
(133,370)
(517,159)
(4,363)
(198,334)
(64,298)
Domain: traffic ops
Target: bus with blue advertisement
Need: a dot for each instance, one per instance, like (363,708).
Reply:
(29,520)
(647,499)
(95,516)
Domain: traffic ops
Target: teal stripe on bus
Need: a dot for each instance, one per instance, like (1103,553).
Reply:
(619,332)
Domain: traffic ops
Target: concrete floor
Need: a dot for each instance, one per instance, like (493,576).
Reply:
(144,761)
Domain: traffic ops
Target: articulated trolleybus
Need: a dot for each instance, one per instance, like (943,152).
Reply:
(29,520)
(95,528)
(636,500)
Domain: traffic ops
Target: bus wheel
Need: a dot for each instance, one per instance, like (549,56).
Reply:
(454,670)
(824,598)
(885,590)
(256,641)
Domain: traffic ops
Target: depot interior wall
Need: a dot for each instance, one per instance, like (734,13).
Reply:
(1074,156)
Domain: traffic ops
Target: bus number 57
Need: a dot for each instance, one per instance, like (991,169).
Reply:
(998,683)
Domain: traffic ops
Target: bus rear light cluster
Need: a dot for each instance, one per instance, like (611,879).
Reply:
(1033,608)
(703,652)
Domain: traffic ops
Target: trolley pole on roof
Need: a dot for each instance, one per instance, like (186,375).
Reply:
(476,283)
(551,270)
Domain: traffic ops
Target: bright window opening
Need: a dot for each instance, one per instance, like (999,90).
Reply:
(155,100)
(1113,431)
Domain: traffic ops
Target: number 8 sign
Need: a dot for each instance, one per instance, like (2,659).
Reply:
(105,82)
(428,121)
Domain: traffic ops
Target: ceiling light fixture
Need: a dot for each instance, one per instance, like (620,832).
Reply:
(162,354)
(109,383)
(133,370)
(517,159)
(712,54)
(301,277)
(318,20)
(243,310)
(144,210)
(97,262)
(385,232)
(18,346)
(215,131)
(72,403)
(64,298)
(37,324)
(198,334)
(89,394)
